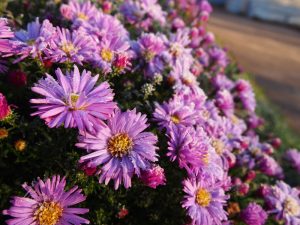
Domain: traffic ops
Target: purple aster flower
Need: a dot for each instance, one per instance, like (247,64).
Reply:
(221,81)
(106,26)
(254,215)
(47,203)
(5,35)
(108,51)
(70,46)
(246,94)
(191,148)
(218,57)
(149,46)
(293,156)
(284,202)
(184,81)
(175,112)
(73,100)
(143,13)
(33,41)
(224,101)
(5,31)
(121,148)
(178,47)
(204,201)
(154,176)
(78,12)
(269,166)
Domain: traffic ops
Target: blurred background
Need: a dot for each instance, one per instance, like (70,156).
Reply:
(264,37)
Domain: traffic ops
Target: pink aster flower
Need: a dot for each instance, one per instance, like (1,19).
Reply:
(293,157)
(224,101)
(47,203)
(5,35)
(154,176)
(174,113)
(73,100)
(204,201)
(122,148)
(34,40)
(70,46)
(78,12)
(246,94)
(283,201)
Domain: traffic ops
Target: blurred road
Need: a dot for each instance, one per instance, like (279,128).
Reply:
(270,52)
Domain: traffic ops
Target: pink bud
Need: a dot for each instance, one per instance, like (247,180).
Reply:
(243,189)
(66,11)
(276,142)
(106,6)
(122,213)
(4,107)
(154,177)
(250,176)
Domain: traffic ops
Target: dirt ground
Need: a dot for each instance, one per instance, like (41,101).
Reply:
(270,52)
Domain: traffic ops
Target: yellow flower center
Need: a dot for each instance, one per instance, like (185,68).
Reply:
(175,119)
(218,146)
(82,16)
(148,55)
(119,145)
(74,98)
(175,49)
(31,42)
(291,206)
(203,197)
(48,213)
(107,55)
(205,158)
(68,47)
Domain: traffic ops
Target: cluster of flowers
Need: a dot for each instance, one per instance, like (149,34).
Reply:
(209,134)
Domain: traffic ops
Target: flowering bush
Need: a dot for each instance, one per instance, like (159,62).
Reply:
(134,102)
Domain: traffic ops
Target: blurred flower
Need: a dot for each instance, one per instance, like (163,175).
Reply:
(73,100)
(276,142)
(18,78)
(233,208)
(269,166)
(254,215)
(20,145)
(3,133)
(122,213)
(243,189)
(153,176)
(293,157)
(47,204)
(121,148)
(246,94)
(224,101)
(284,202)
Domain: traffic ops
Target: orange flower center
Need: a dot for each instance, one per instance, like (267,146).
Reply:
(203,197)
(48,213)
